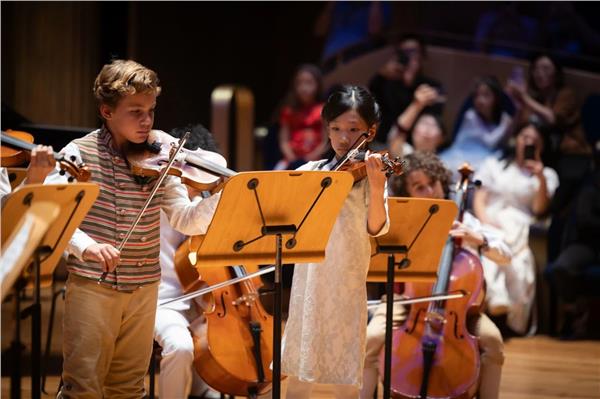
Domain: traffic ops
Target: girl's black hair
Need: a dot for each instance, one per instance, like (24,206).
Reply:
(494,85)
(347,97)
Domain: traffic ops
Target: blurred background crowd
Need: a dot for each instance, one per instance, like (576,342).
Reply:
(510,87)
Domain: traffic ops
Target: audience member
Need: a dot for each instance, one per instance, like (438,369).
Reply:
(516,189)
(483,127)
(427,134)
(396,84)
(581,251)
(549,103)
(301,133)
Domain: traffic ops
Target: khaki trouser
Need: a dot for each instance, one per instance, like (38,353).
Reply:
(490,345)
(107,340)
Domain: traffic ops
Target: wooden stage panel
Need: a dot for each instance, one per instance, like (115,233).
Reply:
(535,367)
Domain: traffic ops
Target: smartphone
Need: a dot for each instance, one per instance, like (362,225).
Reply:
(529,151)
(402,57)
(517,75)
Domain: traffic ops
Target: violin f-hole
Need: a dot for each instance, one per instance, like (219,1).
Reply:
(410,330)
(223,306)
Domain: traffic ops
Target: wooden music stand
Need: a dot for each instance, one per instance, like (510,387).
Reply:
(302,205)
(37,223)
(16,176)
(419,229)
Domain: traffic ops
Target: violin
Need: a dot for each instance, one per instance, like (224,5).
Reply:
(433,353)
(358,168)
(15,156)
(354,160)
(234,349)
(12,139)
(200,169)
(161,155)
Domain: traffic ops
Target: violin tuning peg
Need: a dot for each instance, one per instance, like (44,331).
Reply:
(62,172)
(70,179)
(73,158)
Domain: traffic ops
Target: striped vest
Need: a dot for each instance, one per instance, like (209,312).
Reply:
(108,221)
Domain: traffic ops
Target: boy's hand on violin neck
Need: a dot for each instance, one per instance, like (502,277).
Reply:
(375,173)
(42,162)
(105,254)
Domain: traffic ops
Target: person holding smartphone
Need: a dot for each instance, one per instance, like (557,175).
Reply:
(516,190)
(400,84)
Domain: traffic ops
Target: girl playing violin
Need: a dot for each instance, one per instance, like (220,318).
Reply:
(108,323)
(425,176)
(324,340)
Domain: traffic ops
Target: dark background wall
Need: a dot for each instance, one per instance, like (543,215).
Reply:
(51,53)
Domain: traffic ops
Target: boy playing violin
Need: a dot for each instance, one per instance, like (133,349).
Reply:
(425,176)
(108,323)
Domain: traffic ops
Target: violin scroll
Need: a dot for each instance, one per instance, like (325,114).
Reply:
(79,172)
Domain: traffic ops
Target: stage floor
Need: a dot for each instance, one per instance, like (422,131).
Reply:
(536,367)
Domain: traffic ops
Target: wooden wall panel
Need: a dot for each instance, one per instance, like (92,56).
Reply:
(49,61)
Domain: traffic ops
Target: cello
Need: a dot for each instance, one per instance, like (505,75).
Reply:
(433,353)
(233,350)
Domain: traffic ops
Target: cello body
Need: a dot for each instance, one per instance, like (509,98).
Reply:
(455,369)
(233,350)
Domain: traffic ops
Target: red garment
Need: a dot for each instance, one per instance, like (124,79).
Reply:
(305,127)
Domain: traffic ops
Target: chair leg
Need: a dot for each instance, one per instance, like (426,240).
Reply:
(156,351)
(49,336)
(152,372)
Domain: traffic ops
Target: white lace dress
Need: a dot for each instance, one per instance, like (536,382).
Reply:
(510,195)
(324,339)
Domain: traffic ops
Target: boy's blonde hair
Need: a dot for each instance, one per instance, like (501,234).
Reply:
(122,78)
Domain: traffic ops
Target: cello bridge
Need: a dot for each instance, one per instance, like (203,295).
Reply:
(436,320)
(247,299)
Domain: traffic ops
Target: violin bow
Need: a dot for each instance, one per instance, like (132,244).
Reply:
(353,151)
(430,298)
(161,177)
(214,287)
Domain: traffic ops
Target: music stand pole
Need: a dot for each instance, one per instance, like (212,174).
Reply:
(391,250)
(15,375)
(278,231)
(36,327)
(277,321)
